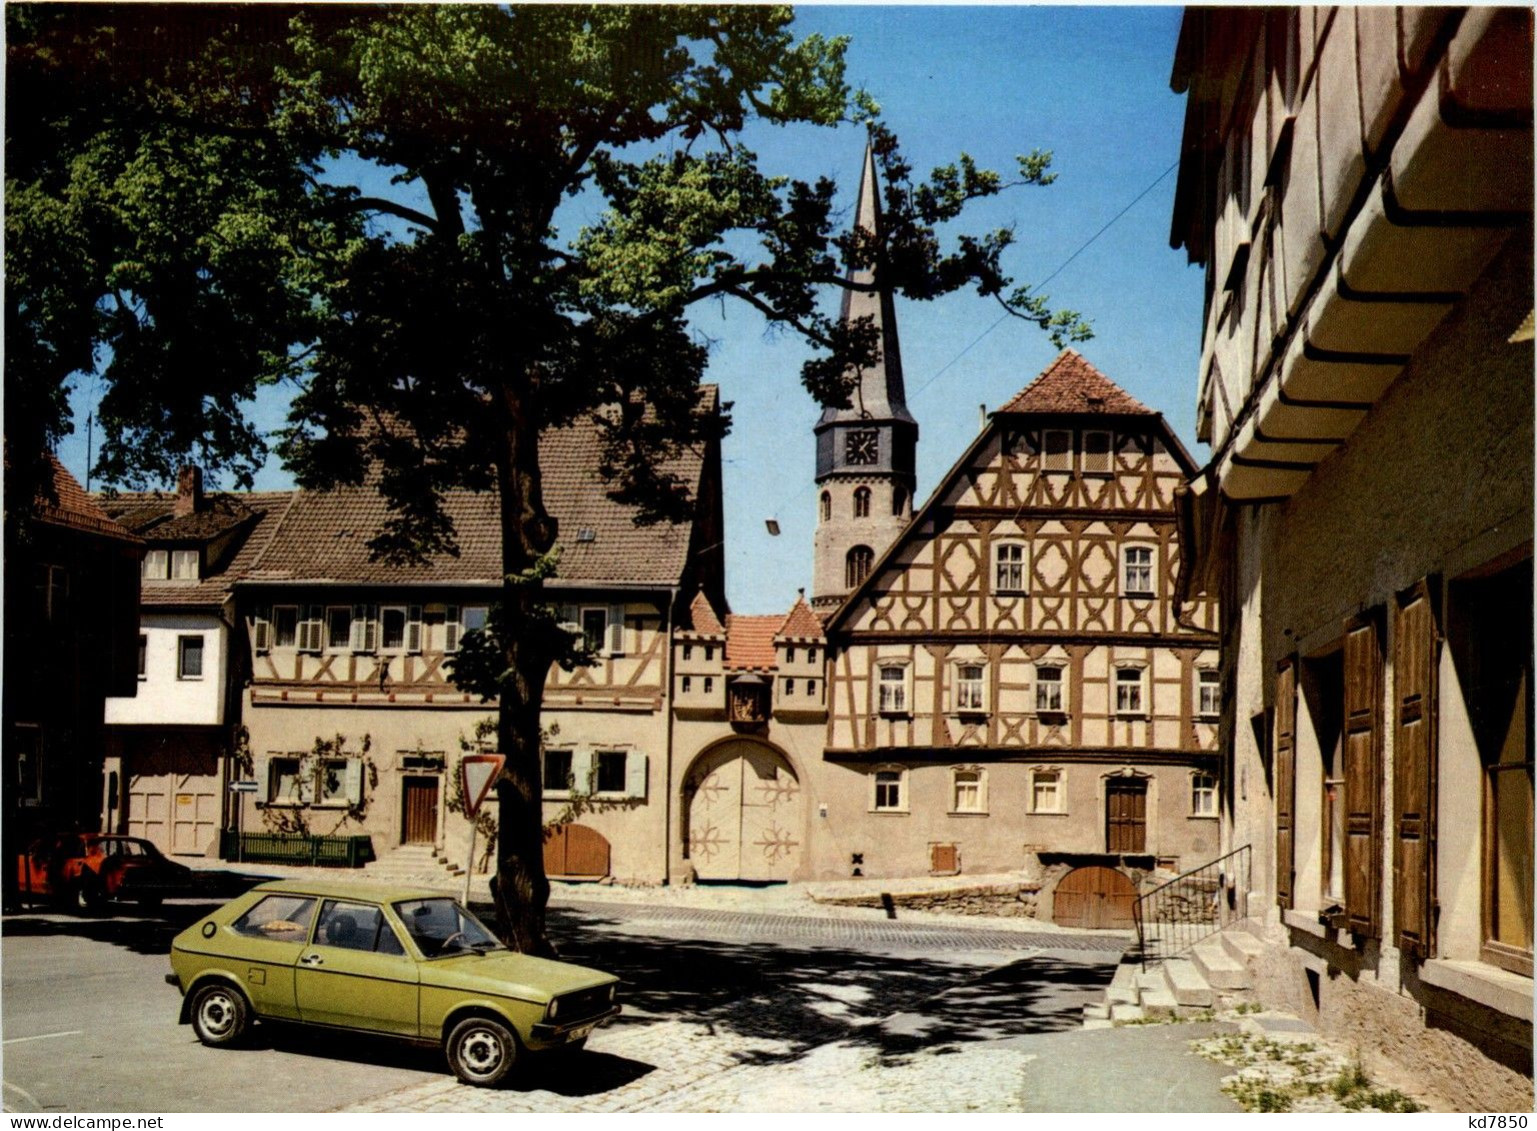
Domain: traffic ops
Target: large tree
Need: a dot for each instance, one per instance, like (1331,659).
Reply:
(186,215)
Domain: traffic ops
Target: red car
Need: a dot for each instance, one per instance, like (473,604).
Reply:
(91,869)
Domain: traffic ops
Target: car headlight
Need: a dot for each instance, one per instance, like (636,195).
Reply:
(554,1008)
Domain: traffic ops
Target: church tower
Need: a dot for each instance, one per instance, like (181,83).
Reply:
(866,453)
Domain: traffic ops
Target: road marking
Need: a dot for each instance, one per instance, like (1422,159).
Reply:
(44,1036)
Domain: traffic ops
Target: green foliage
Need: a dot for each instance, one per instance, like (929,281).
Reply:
(297,819)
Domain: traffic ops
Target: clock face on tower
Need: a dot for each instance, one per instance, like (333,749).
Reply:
(862,447)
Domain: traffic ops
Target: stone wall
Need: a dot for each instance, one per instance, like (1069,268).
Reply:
(1008,901)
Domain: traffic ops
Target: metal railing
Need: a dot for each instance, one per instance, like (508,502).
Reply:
(1176,915)
(279,848)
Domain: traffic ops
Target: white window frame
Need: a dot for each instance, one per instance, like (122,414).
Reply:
(1203,794)
(1064,459)
(410,629)
(1038,774)
(306,788)
(898,804)
(1208,680)
(365,628)
(598,757)
(311,630)
(459,619)
(1108,466)
(1059,685)
(185,565)
(156,565)
(329,632)
(1128,710)
(1149,568)
(893,697)
(980,782)
(1012,547)
(969,697)
(182,640)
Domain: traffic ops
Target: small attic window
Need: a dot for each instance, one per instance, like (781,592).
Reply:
(586,535)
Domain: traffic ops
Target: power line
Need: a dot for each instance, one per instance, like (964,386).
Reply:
(1060,268)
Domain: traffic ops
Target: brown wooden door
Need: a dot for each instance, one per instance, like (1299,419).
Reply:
(419,811)
(1095,897)
(1126,815)
(576,852)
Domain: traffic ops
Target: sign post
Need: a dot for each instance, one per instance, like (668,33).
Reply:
(477,775)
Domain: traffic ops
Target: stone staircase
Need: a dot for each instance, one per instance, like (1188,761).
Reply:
(1213,974)
(419,864)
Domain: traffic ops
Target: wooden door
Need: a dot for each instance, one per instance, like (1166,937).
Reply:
(1126,815)
(576,852)
(419,811)
(744,815)
(1095,897)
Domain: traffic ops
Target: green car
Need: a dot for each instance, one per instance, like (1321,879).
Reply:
(395,961)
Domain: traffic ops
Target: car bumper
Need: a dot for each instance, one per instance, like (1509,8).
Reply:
(549,1034)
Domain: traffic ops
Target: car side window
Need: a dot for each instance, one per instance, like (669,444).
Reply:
(356,926)
(283,918)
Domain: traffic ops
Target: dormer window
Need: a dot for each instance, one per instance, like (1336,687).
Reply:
(1096,453)
(1057,450)
(156,565)
(184,565)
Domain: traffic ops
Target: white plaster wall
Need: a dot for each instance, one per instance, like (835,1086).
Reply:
(165,700)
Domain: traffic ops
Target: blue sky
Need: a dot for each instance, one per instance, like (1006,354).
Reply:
(1089,84)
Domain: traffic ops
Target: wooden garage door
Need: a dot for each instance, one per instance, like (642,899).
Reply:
(576,852)
(1094,897)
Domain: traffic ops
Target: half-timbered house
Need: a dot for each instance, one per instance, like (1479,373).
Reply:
(1357,184)
(342,645)
(1013,677)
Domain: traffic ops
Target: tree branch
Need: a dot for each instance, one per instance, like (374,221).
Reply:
(389,207)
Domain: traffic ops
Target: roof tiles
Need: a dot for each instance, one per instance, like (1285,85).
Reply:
(1070,385)
(750,642)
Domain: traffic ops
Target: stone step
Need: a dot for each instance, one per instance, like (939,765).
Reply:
(1097,1023)
(1096,1011)
(1240,944)
(1159,1003)
(1125,1013)
(1186,983)
(1122,995)
(1221,970)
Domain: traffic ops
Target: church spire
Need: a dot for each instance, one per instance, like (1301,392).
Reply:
(867,452)
(880,393)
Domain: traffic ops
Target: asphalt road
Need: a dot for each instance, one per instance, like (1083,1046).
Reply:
(88,1023)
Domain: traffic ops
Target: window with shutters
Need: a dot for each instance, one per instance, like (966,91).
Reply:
(331,782)
(392,628)
(461,619)
(312,629)
(365,628)
(285,626)
(1363,774)
(610,772)
(1414,722)
(1323,690)
(1489,620)
(557,773)
(285,785)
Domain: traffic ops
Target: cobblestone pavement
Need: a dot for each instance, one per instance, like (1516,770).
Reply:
(741,1011)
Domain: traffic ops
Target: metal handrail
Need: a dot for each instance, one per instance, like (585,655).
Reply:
(1193,906)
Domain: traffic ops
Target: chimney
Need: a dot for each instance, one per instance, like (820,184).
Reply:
(189,491)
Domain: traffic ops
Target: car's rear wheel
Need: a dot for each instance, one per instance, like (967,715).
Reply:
(481,1051)
(91,893)
(220,1015)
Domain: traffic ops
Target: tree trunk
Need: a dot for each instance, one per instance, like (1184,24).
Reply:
(520,887)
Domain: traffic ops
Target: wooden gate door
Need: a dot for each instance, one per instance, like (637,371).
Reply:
(1095,897)
(419,811)
(1126,815)
(745,815)
(576,852)
(195,819)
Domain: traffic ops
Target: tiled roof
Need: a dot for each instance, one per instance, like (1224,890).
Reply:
(702,616)
(325,535)
(76,508)
(259,511)
(1071,385)
(151,516)
(750,642)
(801,623)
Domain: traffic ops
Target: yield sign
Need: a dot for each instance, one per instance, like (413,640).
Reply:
(478,772)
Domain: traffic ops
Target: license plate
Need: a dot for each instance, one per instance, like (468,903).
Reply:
(578,1034)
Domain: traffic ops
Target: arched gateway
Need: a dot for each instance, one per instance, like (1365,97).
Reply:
(743,813)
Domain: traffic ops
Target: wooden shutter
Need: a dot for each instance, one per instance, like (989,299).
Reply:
(1285,782)
(616,630)
(1414,770)
(451,629)
(261,628)
(1363,775)
(261,772)
(413,628)
(635,775)
(582,765)
(354,781)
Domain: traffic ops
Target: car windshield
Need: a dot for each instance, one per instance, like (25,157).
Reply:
(441,926)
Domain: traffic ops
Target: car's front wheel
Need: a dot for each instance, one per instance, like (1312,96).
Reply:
(481,1051)
(220,1015)
(92,895)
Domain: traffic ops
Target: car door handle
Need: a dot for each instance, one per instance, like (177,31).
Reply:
(312,960)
